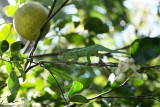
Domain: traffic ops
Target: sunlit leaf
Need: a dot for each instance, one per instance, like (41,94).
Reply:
(19,67)
(79,99)
(22,1)
(8,67)
(28,85)
(48,41)
(39,84)
(8,33)
(100,80)
(10,10)
(2,63)
(13,84)
(57,72)
(145,49)
(137,82)
(3,23)
(4,45)
(76,87)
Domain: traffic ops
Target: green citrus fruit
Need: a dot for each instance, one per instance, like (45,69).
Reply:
(28,20)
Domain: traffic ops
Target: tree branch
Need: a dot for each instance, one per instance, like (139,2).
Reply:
(52,7)
(149,67)
(149,96)
(56,54)
(49,17)
(45,55)
(79,63)
(44,25)
(100,95)
(27,46)
(129,97)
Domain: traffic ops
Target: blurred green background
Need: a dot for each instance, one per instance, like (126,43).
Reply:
(111,23)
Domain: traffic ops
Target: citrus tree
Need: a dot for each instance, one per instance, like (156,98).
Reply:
(92,53)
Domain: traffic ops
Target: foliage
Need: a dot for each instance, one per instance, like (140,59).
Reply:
(142,53)
(43,78)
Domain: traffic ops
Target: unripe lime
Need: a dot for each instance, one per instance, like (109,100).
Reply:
(28,20)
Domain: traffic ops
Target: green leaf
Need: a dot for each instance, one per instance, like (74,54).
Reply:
(107,86)
(51,80)
(21,1)
(15,49)
(48,41)
(2,63)
(95,25)
(79,99)
(76,87)
(8,33)
(10,10)
(13,84)
(8,67)
(57,72)
(28,85)
(137,82)
(145,49)
(39,84)
(115,84)
(85,81)
(19,67)
(75,38)
(4,45)
(17,46)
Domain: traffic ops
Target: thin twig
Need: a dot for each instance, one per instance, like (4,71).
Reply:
(43,28)
(149,67)
(27,46)
(59,88)
(52,7)
(57,85)
(156,99)
(100,95)
(149,96)
(129,97)
(79,63)
(44,25)
(45,55)
(93,64)
(3,86)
